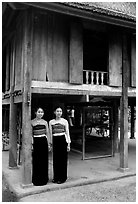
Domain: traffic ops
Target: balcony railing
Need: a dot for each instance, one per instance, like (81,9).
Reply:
(95,77)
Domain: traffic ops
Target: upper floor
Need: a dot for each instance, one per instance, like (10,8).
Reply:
(65,49)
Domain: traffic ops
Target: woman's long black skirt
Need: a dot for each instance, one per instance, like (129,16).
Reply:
(60,158)
(40,161)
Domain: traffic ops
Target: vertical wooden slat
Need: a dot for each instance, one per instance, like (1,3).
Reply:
(87,77)
(26,105)
(60,50)
(92,77)
(7,69)
(115,60)
(97,78)
(39,63)
(76,54)
(50,48)
(124,108)
(133,61)
(102,78)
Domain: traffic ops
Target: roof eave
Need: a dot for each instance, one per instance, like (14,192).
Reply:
(51,6)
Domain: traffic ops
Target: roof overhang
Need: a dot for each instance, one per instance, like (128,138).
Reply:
(51,6)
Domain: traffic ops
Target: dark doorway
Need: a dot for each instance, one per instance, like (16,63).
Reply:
(91,130)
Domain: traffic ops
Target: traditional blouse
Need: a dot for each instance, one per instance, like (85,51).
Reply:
(58,128)
(39,128)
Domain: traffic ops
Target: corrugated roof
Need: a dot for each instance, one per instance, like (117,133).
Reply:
(117,9)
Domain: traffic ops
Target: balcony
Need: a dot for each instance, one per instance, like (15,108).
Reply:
(95,77)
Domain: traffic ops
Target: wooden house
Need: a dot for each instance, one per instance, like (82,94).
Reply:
(81,55)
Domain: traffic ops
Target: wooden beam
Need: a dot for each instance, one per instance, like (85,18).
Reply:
(66,88)
(124,108)
(26,104)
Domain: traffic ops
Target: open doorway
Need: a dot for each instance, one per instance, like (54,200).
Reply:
(91,130)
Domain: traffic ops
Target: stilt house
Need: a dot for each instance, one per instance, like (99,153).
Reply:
(81,55)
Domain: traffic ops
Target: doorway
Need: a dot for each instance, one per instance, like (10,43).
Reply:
(91,130)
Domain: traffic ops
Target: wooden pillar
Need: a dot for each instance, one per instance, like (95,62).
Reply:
(13,134)
(116,139)
(132,123)
(13,119)
(124,108)
(26,105)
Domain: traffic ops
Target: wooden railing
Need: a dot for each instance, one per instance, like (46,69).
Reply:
(95,77)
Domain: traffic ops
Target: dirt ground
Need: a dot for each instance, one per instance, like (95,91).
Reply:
(122,190)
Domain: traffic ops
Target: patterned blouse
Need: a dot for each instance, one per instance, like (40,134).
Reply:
(59,127)
(40,128)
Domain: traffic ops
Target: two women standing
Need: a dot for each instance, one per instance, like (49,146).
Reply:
(55,137)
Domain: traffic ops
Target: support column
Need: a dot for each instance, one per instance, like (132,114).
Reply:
(13,134)
(13,118)
(124,109)
(116,139)
(132,123)
(26,105)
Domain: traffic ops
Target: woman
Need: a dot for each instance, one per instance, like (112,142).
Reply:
(40,149)
(59,132)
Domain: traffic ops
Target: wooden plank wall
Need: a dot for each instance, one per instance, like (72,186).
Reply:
(115,60)
(39,62)
(50,48)
(60,49)
(133,61)
(7,85)
(76,54)
(18,56)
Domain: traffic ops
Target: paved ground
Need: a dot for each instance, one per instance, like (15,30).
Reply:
(79,172)
(122,190)
(7,195)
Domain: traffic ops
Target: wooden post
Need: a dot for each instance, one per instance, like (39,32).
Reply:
(13,134)
(124,109)
(26,105)
(13,119)
(116,139)
(132,123)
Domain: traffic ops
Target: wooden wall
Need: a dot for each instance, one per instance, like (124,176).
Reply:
(18,55)
(39,58)
(50,48)
(57,52)
(115,60)
(76,53)
(60,49)
(133,61)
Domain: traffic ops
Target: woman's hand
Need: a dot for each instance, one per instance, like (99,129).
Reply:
(68,147)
